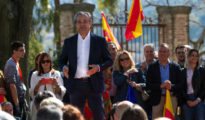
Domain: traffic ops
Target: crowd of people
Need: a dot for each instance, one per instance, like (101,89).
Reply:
(98,82)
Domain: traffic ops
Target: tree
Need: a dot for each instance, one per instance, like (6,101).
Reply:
(108,6)
(34,48)
(197,7)
(15,26)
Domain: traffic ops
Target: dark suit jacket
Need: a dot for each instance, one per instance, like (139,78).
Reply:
(120,81)
(154,80)
(198,83)
(99,54)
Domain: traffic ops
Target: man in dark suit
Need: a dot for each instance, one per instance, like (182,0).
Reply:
(84,57)
(161,75)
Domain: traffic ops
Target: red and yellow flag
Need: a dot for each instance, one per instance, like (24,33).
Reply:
(134,25)
(107,32)
(168,109)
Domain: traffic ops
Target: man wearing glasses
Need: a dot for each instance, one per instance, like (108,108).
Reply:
(180,54)
(16,89)
(84,57)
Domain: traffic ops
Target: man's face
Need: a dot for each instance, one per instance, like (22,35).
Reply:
(83,24)
(180,54)
(20,52)
(149,53)
(163,54)
(113,50)
(8,109)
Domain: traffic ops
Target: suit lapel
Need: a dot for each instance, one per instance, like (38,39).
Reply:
(75,47)
(158,71)
(170,71)
(91,48)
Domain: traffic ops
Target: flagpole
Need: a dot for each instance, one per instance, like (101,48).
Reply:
(126,20)
(125,11)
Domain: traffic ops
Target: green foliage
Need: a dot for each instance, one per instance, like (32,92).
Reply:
(34,48)
(108,6)
(43,17)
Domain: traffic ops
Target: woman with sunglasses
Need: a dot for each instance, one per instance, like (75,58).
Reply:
(194,88)
(125,74)
(46,78)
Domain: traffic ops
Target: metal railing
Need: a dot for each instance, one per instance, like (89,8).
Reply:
(151,34)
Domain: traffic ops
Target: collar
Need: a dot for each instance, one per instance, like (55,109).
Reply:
(87,36)
(167,63)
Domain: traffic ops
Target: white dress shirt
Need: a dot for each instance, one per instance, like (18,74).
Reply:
(35,79)
(83,51)
(190,89)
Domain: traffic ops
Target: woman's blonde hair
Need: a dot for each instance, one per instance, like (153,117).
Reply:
(117,66)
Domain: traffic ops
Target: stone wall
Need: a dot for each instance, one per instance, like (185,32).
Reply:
(176,31)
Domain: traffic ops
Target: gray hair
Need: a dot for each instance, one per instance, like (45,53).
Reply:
(41,96)
(51,101)
(164,45)
(112,43)
(149,45)
(82,13)
(50,112)
(6,103)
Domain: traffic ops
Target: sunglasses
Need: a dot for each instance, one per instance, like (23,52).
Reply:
(123,59)
(45,61)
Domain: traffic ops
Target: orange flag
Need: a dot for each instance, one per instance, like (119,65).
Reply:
(107,32)
(168,109)
(134,25)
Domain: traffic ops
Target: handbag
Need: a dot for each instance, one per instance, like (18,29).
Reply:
(145,95)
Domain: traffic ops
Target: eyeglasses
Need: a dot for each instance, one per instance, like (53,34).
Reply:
(45,61)
(123,59)
(180,52)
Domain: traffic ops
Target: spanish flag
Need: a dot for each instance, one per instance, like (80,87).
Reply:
(134,25)
(168,109)
(107,32)
(2,98)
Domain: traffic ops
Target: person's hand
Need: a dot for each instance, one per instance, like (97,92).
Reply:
(65,72)
(132,70)
(192,103)
(93,70)
(166,84)
(135,85)
(54,83)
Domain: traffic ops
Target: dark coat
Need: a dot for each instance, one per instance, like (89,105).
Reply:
(120,81)
(154,80)
(99,54)
(198,83)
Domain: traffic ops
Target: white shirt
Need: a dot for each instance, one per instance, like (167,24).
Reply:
(35,79)
(83,51)
(190,89)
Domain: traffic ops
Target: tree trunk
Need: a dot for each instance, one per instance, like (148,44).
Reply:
(57,27)
(15,22)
